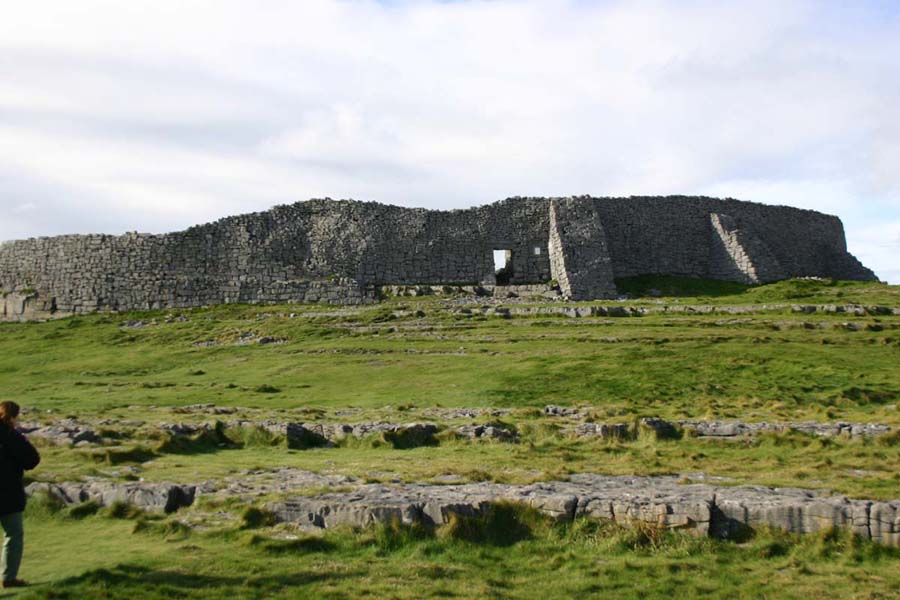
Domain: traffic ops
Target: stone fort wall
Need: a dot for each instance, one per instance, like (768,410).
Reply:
(339,251)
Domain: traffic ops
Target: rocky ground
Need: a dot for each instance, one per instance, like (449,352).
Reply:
(308,433)
(449,438)
(684,502)
(692,502)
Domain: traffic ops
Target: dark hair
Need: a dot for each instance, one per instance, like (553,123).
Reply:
(9,410)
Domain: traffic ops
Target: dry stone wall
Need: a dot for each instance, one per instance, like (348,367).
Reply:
(340,251)
(672,235)
(740,256)
(579,255)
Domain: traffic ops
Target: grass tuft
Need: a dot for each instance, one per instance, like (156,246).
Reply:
(299,545)
(500,524)
(43,505)
(120,455)
(254,518)
(124,510)
(266,389)
(170,529)
(84,509)
(394,534)
(407,438)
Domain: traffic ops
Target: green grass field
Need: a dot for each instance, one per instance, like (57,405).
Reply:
(513,555)
(396,361)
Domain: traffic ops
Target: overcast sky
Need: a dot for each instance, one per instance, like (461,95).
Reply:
(155,115)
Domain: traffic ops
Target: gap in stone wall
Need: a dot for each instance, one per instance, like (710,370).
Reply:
(503,266)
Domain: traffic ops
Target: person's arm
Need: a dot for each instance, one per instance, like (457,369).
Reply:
(18,446)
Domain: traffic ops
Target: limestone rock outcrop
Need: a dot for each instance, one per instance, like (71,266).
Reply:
(728,512)
(152,497)
(687,503)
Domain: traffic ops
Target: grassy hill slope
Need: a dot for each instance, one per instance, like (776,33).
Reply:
(397,361)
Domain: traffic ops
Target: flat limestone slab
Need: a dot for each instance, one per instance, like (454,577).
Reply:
(152,497)
(707,508)
(715,510)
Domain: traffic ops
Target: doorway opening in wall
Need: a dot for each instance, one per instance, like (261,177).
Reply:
(503,268)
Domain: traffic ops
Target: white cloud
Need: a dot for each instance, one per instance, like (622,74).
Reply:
(25,207)
(878,246)
(155,115)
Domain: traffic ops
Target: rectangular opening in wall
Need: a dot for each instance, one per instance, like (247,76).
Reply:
(503,266)
(537,250)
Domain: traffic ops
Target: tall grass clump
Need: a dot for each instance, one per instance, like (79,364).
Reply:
(498,524)
(394,534)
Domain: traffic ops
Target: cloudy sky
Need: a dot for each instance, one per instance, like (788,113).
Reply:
(155,115)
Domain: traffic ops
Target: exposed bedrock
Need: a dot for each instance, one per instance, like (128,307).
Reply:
(152,497)
(312,434)
(619,310)
(399,435)
(717,511)
(728,429)
(671,502)
(711,429)
(340,251)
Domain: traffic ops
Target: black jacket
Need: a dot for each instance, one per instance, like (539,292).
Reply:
(17,455)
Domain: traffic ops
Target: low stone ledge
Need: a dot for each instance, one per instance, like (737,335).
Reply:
(538,292)
(714,429)
(307,434)
(626,310)
(152,497)
(63,432)
(716,511)
(600,430)
(737,428)
(492,432)
(697,504)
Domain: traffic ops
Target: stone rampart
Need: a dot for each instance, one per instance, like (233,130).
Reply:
(339,251)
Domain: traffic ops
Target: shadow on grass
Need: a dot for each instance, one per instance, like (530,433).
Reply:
(300,545)
(131,581)
(663,285)
(499,524)
(201,444)
(222,438)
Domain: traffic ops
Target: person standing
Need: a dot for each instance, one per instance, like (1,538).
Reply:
(17,455)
